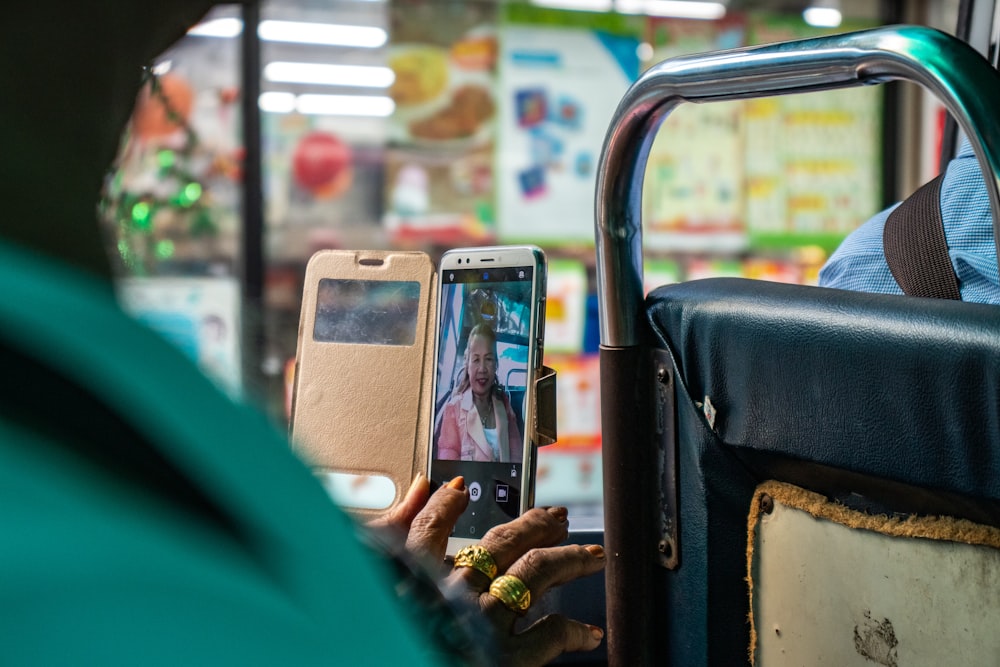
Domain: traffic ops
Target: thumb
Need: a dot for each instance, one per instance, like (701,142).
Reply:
(401,516)
(433,525)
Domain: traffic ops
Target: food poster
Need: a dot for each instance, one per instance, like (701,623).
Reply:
(439,183)
(693,188)
(322,181)
(813,160)
(562,74)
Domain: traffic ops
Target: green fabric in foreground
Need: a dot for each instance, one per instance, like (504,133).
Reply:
(148,519)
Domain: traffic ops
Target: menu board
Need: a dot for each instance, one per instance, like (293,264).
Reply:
(812,160)
(693,188)
(771,172)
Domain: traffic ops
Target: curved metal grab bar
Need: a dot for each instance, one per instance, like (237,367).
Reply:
(959,76)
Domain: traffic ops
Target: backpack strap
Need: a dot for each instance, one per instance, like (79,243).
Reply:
(915,246)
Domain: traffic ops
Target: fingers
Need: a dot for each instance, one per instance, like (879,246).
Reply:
(542,569)
(548,638)
(431,527)
(534,529)
(526,548)
(509,541)
(401,516)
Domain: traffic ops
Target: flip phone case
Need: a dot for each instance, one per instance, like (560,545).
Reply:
(364,408)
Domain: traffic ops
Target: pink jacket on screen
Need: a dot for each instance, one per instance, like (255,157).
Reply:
(462,436)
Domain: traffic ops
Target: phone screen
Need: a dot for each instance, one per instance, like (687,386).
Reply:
(482,376)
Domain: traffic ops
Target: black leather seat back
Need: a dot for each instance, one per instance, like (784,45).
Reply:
(885,403)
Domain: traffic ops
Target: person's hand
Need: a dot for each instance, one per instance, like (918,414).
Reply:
(525,548)
(423,522)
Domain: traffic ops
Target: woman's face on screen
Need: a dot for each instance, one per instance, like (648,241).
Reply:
(482,366)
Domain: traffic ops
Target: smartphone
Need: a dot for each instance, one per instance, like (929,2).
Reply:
(488,351)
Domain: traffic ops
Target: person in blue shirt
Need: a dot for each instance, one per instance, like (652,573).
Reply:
(859,263)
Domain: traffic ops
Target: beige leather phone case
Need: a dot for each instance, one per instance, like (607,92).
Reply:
(365,409)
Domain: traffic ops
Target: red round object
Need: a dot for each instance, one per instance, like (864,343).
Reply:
(319,161)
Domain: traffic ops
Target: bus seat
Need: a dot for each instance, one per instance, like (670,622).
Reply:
(759,439)
(884,405)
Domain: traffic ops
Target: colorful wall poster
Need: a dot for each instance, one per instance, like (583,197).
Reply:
(773,270)
(578,410)
(439,165)
(693,188)
(658,272)
(565,306)
(813,160)
(201,316)
(572,477)
(569,471)
(562,75)
(713,267)
(322,182)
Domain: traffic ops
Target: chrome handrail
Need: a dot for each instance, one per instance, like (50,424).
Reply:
(959,76)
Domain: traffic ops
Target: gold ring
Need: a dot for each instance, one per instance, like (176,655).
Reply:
(512,592)
(477,557)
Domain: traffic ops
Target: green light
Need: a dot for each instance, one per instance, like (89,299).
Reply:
(165,249)
(166,159)
(190,194)
(202,224)
(125,251)
(142,215)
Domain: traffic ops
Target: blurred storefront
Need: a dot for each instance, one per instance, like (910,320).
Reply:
(429,124)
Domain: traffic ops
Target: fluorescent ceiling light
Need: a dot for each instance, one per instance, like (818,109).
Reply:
(230,27)
(822,17)
(299,32)
(275,102)
(329,75)
(682,9)
(327,105)
(329,34)
(345,105)
(581,5)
